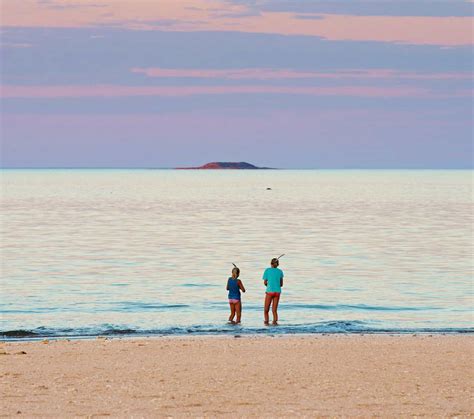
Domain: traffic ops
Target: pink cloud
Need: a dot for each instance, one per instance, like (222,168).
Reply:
(271,74)
(15,91)
(200,15)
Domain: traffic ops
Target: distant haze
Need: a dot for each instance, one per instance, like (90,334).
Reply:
(288,84)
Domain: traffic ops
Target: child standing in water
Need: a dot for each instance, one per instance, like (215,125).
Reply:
(234,286)
(273,281)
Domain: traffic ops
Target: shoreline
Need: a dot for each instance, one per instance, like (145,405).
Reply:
(24,335)
(281,375)
(270,335)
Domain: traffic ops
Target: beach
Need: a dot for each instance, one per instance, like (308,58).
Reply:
(314,376)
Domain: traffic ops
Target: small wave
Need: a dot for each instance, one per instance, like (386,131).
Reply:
(37,310)
(330,307)
(118,331)
(327,327)
(19,334)
(362,307)
(138,306)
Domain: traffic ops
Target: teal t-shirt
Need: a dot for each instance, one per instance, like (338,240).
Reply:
(273,276)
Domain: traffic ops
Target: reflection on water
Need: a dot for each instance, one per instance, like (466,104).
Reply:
(150,250)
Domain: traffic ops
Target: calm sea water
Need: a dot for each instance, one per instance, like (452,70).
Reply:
(87,252)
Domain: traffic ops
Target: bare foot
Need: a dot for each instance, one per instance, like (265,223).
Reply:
(231,322)
(275,323)
(265,323)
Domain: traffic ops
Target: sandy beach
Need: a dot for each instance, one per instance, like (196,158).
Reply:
(240,376)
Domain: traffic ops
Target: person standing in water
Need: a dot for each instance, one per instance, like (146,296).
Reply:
(273,280)
(234,286)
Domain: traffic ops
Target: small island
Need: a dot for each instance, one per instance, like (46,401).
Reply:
(226,166)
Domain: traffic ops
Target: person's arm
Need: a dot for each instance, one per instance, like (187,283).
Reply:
(227,287)
(281,280)
(241,285)
(265,282)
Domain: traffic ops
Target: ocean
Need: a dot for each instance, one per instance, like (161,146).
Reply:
(89,252)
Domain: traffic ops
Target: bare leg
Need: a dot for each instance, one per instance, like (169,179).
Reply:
(266,308)
(232,312)
(238,310)
(275,302)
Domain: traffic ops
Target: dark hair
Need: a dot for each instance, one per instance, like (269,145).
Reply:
(275,261)
(237,270)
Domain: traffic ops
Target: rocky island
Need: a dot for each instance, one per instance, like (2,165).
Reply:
(225,165)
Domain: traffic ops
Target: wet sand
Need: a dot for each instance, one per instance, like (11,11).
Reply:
(313,376)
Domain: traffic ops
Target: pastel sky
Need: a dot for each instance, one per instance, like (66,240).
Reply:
(281,83)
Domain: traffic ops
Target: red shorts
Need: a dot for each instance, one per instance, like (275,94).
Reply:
(273,294)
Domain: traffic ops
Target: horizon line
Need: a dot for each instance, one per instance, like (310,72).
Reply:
(227,170)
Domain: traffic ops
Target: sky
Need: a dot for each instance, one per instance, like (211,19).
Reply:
(328,84)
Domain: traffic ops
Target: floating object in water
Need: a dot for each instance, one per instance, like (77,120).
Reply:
(269,189)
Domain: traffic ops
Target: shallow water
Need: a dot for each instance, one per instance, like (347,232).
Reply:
(88,252)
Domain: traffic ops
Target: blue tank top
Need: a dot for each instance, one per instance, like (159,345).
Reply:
(234,290)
